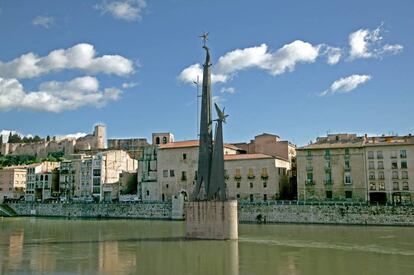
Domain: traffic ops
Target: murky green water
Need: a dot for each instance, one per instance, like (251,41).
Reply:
(39,245)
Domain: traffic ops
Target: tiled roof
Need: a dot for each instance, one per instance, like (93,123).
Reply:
(246,156)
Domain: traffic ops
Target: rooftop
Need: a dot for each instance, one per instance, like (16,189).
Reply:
(247,156)
(190,143)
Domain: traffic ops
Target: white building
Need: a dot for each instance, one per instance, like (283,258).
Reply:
(39,181)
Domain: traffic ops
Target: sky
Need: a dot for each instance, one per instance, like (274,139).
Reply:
(298,69)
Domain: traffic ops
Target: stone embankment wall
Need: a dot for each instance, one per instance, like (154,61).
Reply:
(94,210)
(329,214)
(319,214)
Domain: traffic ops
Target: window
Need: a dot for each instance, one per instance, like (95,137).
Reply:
(404,175)
(238,196)
(348,194)
(405,186)
(327,164)
(164,140)
(309,178)
(381,186)
(395,186)
(147,192)
(370,154)
(157,140)
(327,153)
(329,194)
(251,185)
(264,184)
(237,176)
(251,197)
(238,184)
(250,175)
(394,175)
(346,151)
(265,197)
(371,165)
(393,154)
(172,174)
(96,172)
(372,175)
(165,173)
(403,164)
(183,175)
(403,154)
(394,165)
(46,177)
(348,179)
(309,153)
(372,186)
(381,175)
(380,165)
(347,166)
(379,155)
(265,175)
(184,156)
(41,177)
(96,181)
(195,174)
(328,178)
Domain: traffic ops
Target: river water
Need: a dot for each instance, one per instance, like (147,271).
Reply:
(59,246)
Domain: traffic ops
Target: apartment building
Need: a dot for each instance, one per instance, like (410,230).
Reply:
(12,182)
(41,181)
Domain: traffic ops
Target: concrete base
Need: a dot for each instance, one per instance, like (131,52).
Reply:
(215,220)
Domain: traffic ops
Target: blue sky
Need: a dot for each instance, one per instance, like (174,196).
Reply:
(122,62)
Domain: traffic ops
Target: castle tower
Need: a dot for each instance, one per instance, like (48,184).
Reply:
(100,136)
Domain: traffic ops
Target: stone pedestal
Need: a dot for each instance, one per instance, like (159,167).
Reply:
(214,220)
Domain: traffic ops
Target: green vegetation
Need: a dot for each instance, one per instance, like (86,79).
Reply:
(10,160)
(16,138)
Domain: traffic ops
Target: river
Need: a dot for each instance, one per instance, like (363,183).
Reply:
(60,246)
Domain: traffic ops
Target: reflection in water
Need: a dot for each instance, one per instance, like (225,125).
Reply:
(157,247)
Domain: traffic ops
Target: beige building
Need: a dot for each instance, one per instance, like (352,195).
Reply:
(134,146)
(173,170)
(332,168)
(85,177)
(12,182)
(356,168)
(39,181)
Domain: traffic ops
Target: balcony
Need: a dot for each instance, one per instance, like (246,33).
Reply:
(328,168)
(347,169)
(237,177)
(264,176)
(309,182)
(250,177)
(309,168)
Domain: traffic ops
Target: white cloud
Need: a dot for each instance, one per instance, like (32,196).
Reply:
(190,74)
(333,54)
(43,21)
(218,99)
(229,90)
(275,63)
(129,10)
(128,85)
(81,57)
(365,43)
(75,135)
(54,96)
(346,84)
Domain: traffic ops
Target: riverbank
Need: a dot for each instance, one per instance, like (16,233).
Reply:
(247,213)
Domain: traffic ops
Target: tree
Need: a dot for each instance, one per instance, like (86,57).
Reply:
(48,138)
(14,138)
(36,138)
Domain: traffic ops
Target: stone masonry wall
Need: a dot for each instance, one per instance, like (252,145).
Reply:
(94,210)
(318,214)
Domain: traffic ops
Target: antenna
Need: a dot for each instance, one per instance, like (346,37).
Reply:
(197,83)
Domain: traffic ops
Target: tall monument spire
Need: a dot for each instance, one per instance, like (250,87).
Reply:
(206,135)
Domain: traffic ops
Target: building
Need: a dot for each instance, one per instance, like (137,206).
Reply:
(42,181)
(332,168)
(12,182)
(171,169)
(389,162)
(85,177)
(134,146)
(357,168)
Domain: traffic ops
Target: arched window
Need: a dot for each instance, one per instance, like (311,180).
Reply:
(157,140)
(163,197)
(164,140)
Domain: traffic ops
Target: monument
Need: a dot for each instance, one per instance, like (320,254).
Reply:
(209,214)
